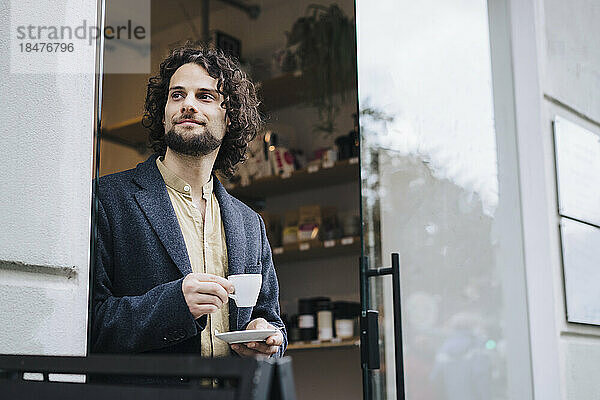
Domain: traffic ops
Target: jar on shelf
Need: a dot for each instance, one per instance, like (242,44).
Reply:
(306,320)
(346,315)
(324,311)
(293,329)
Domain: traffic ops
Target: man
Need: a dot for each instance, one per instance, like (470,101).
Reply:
(168,232)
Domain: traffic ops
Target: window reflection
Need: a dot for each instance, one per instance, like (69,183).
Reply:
(431,192)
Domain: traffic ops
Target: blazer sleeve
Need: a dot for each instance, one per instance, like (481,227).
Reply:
(155,319)
(267,305)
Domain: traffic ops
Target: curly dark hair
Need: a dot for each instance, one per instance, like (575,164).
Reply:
(240,102)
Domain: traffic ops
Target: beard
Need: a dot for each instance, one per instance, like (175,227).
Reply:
(192,144)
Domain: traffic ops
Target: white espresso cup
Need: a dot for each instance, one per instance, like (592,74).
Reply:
(247,289)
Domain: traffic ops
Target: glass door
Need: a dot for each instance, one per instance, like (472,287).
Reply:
(439,188)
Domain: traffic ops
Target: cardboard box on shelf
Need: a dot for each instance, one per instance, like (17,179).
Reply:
(282,161)
(309,222)
(290,227)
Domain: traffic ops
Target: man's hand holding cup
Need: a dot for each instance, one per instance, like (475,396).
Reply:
(205,293)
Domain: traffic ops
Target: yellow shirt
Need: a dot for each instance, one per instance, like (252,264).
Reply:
(206,247)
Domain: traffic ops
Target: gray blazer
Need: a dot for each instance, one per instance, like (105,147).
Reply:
(141,260)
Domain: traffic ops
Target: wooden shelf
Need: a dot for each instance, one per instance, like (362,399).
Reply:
(316,249)
(346,343)
(283,91)
(341,172)
(129,133)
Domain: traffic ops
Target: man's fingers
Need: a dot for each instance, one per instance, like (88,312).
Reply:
(259,323)
(207,299)
(262,347)
(227,286)
(275,340)
(204,293)
(245,351)
(212,288)
(199,310)
(267,348)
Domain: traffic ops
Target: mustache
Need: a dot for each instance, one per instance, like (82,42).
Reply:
(184,117)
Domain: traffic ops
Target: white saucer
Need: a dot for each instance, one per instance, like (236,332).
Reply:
(257,335)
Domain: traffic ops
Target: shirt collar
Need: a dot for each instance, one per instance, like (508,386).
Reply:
(178,184)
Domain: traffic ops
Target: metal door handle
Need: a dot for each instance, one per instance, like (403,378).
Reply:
(370,330)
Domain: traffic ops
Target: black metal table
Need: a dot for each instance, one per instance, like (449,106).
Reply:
(241,378)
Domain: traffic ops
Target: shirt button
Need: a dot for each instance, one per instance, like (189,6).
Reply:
(186,188)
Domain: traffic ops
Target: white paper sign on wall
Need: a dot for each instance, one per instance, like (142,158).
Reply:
(577,171)
(581,264)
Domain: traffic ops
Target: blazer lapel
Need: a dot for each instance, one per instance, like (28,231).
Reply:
(235,238)
(154,201)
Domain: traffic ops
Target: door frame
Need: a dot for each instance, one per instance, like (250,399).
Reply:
(516,56)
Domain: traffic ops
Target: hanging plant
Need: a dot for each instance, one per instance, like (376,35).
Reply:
(324,44)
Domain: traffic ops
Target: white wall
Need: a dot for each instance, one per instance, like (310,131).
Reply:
(570,66)
(46,125)
(555,57)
